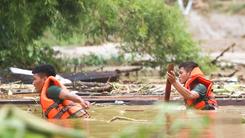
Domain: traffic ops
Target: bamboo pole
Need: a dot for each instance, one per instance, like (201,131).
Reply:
(168,84)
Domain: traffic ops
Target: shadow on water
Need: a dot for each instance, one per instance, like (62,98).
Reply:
(226,122)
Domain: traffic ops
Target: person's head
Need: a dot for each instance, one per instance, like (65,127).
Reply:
(185,69)
(40,74)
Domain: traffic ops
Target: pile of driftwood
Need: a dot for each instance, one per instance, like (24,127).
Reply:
(229,87)
(114,88)
(228,84)
(88,89)
(229,90)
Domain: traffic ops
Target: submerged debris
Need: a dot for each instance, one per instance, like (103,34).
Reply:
(125,119)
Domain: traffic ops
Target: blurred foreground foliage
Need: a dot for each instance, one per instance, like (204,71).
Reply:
(151,29)
(15,123)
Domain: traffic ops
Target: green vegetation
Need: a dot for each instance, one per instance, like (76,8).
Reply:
(154,29)
(51,40)
(23,22)
(94,60)
(143,27)
(99,60)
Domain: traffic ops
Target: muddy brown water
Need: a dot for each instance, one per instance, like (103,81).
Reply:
(225,123)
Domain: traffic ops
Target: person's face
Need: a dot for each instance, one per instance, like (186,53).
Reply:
(38,82)
(183,75)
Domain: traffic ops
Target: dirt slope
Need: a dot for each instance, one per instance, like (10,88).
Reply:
(218,31)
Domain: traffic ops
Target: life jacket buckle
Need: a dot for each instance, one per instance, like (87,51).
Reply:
(210,106)
(63,110)
(58,108)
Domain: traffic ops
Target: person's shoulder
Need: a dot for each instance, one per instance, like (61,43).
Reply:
(53,91)
(54,87)
(201,86)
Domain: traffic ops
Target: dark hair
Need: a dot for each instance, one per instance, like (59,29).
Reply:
(45,70)
(188,66)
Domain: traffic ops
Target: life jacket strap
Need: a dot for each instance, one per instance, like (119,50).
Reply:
(63,110)
(209,106)
(54,105)
(76,114)
(193,104)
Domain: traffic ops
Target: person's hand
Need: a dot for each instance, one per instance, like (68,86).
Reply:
(85,104)
(171,77)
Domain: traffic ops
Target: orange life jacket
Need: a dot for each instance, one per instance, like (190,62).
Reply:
(209,102)
(63,110)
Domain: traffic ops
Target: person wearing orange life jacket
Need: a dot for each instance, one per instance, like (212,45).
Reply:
(55,99)
(197,91)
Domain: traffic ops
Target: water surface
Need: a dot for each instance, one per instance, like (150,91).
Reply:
(225,123)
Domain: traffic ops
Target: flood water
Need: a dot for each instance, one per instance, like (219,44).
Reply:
(224,123)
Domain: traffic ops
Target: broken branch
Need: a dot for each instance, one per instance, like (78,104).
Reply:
(214,61)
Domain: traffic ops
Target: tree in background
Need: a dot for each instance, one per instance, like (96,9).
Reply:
(144,27)
(23,22)
(155,31)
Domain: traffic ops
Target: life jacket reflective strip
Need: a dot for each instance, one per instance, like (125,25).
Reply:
(209,102)
(63,110)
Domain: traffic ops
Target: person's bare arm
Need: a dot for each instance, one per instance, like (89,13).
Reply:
(189,95)
(65,95)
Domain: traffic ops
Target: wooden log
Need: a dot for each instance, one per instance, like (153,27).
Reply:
(168,84)
(128,70)
(14,93)
(88,84)
(18,96)
(101,89)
